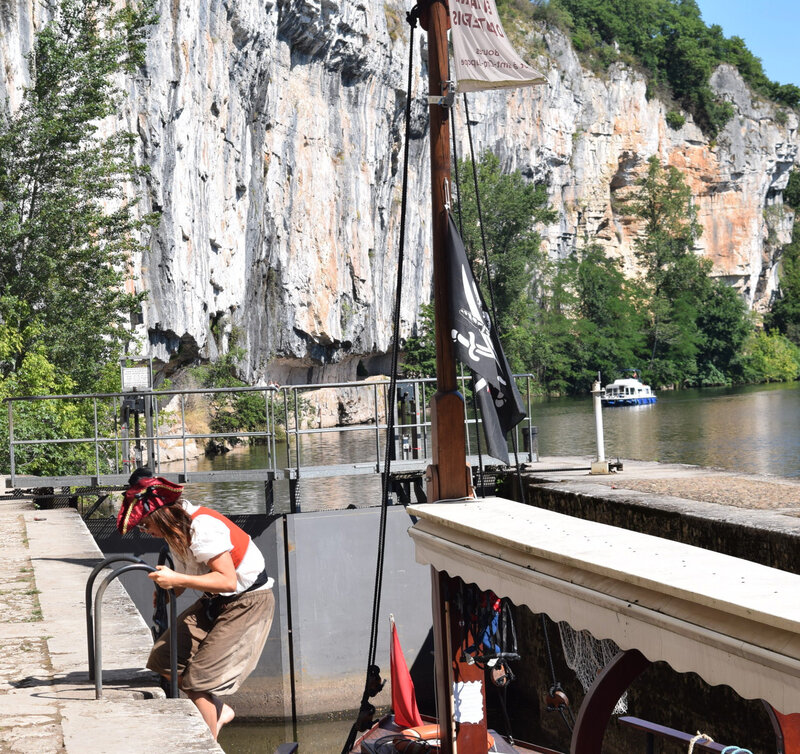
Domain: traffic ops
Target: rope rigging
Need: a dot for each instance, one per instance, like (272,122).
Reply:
(556,699)
(373,683)
(487,267)
(472,373)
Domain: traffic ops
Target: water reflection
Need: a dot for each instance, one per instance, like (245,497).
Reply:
(752,429)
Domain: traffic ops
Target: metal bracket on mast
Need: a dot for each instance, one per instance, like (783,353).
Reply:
(448,96)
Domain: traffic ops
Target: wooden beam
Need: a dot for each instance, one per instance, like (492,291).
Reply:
(598,705)
(787,730)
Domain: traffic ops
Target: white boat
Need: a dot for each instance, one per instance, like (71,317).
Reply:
(628,391)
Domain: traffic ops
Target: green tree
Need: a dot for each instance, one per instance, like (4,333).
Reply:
(553,337)
(67,229)
(53,419)
(785,313)
(510,208)
(770,357)
(231,412)
(419,353)
(724,326)
(611,326)
(675,278)
(246,411)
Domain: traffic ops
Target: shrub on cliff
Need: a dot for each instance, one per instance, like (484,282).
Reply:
(674,45)
(237,412)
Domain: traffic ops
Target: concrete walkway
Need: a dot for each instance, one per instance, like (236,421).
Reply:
(47,700)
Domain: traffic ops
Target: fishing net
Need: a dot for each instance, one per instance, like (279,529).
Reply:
(587,656)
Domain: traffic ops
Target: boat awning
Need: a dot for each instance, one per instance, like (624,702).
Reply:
(729,620)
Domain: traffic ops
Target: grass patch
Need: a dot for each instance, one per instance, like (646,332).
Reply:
(35,616)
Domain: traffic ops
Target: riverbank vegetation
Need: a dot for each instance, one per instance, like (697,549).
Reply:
(235,414)
(566,319)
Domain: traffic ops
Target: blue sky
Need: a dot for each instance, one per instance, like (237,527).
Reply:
(770,29)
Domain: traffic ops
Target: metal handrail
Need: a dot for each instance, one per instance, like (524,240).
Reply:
(275,406)
(95,643)
(88,601)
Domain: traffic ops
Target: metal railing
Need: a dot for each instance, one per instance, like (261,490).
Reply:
(94,624)
(114,445)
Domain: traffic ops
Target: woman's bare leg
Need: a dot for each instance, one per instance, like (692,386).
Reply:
(207,706)
(225,713)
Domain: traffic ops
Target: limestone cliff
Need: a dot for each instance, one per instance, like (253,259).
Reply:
(274,130)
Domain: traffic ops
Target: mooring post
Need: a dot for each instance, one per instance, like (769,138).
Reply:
(600,466)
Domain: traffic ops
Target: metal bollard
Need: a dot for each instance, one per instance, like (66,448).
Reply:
(88,600)
(600,466)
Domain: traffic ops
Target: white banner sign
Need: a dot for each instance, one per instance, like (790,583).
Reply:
(484,58)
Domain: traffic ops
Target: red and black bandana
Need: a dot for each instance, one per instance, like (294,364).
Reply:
(143,496)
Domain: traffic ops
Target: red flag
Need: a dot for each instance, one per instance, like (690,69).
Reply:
(404,698)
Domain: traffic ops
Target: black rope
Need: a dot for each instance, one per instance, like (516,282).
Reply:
(461,233)
(455,173)
(502,693)
(549,652)
(480,215)
(556,686)
(478,436)
(372,682)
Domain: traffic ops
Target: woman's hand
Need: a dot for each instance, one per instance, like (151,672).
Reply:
(165,577)
(220,578)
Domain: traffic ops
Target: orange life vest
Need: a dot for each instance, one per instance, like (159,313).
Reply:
(430,733)
(239,538)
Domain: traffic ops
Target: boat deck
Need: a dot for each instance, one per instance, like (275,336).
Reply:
(378,739)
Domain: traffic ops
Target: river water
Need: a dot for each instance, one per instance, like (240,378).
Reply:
(753,429)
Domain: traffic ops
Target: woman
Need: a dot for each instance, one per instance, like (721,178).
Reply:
(220,636)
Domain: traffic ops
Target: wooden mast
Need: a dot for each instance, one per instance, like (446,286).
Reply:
(449,476)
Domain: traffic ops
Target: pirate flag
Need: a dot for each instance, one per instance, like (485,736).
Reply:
(478,347)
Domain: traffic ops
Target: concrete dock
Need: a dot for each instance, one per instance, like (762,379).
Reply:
(47,700)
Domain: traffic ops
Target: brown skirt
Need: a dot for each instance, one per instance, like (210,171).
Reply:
(216,656)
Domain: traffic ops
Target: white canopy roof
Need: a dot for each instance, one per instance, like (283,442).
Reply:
(728,620)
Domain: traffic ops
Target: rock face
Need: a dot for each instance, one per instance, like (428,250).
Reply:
(273,130)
